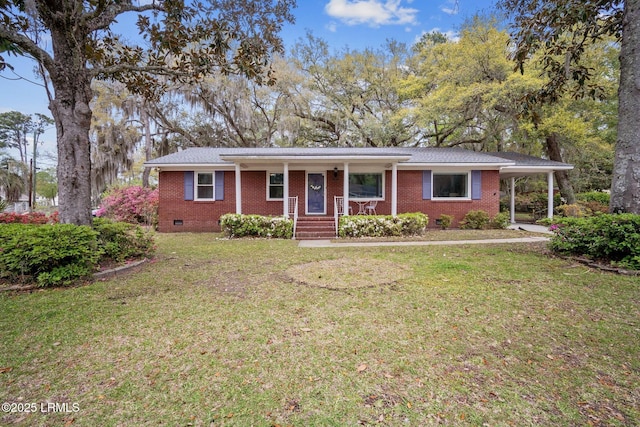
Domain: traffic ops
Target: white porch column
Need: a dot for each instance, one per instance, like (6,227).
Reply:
(345,188)
(394,189)
(512,201)
(238,190)
(285,184)
(549,194)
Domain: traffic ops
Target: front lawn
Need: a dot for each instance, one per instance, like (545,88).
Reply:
(262,332)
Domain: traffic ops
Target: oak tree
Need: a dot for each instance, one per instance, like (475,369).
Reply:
(178,40)
(559,32)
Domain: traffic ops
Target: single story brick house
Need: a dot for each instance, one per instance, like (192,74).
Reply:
(198,185)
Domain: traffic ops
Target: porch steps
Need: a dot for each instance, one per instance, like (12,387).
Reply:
(315,228)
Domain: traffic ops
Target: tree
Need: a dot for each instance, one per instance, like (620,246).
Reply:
(350,98)
(47,186)
(559,31)
(14,128)
(181,41)
(12,178)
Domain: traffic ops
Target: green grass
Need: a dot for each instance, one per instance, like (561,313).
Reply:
(246,333)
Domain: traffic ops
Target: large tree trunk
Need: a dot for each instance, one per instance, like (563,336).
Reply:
(562,177)
(625,187)
(70,109)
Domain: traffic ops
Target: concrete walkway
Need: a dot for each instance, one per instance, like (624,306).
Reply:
(347,244)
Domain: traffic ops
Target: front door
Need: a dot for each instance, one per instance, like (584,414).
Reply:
(316,196)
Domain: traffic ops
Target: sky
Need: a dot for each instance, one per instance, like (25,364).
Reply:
(352,24)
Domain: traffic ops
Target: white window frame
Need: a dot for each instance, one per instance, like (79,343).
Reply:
(365,172)
(433,186)
(196,185)
(269,173)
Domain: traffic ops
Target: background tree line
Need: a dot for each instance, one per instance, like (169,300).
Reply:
(437,93)
(195,77)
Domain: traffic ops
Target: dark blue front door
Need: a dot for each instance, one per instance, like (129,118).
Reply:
(315,194)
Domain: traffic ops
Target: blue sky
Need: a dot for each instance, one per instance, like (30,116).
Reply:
(356,24)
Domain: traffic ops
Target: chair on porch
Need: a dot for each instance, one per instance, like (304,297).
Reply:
(371,207)
(338,209)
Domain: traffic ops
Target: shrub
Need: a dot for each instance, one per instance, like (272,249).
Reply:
(238,225)
(50,255)
(135,205)
(611,237)
(575,211)
(120,241)
(500,221)
(594,196)
(475,220)
(382,225)
(546,221)
(61,254)
(445,221)
(28,218)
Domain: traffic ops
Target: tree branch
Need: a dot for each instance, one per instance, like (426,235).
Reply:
(100,19)
(27,45)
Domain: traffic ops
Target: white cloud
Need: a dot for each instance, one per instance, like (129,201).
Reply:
(332,26)
(371,12)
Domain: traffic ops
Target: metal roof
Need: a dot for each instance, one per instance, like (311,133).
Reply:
(429,155)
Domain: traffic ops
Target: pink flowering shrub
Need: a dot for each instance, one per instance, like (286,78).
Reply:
(28,218)
(135,205)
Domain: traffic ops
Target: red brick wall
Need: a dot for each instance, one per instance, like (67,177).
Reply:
(410,198)
(204,215)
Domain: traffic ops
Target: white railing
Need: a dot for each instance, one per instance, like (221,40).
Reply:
(292,211)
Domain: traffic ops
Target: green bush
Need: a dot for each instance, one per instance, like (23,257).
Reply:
(611,237)
(408,224)
(445,221)
(238,225)
(119,241)
(594,196)
(500,221)
(61,254)
(475,220)
(50,255)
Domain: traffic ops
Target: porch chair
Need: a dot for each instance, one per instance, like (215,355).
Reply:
(371,207)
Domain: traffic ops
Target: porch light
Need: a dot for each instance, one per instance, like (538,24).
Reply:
(335,173)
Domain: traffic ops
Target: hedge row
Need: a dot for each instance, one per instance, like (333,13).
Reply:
(238,225)
(610,237)
(409,224)
(60,254)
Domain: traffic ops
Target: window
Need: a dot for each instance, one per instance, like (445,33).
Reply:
(451,185)
(365,186)
(275,187)
(204,186)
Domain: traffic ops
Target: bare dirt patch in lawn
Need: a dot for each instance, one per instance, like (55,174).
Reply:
(344,274)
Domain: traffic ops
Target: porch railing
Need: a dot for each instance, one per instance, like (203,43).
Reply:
(292,211)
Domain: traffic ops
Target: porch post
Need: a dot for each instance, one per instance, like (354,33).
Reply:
(285,195)
(238,190)
(345,188)
(550,194)
(512,201)
(394,189)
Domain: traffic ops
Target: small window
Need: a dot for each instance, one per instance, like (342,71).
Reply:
(365,186)
(204,186)
(275,187)
(451,185)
